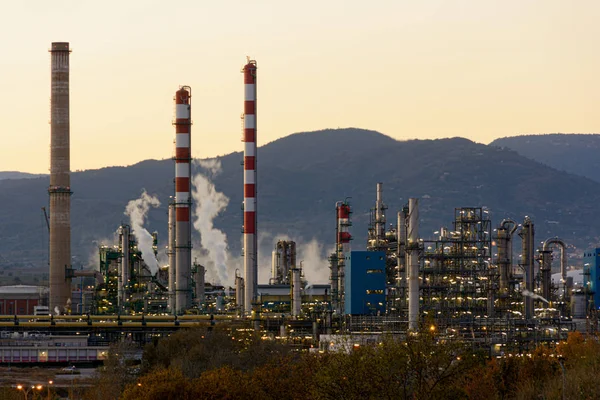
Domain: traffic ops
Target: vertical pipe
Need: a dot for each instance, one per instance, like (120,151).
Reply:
(379,217)
(527,235)
(250,203)
(413,275)
(171,254)
(401,232)
(333,281)
(125,267)
(296,294)
(200,284)
(59,190)
(274,267)
(183,254)
(239,292)
(503,258)
(343,247)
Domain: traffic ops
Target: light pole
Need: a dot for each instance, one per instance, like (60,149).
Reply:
(49,384)
(27,390)
(562,366)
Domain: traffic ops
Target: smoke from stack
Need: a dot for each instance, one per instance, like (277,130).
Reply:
(209,204)
(137,210)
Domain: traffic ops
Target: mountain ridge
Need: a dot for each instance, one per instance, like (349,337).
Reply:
(300,177)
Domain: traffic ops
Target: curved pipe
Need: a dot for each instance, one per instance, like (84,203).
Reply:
(507,221)
(563,254)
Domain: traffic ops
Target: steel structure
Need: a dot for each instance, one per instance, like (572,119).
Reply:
(250,201)
(183,199)
(282,262)
(60,182)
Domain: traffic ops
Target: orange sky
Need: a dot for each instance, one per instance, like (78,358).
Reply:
(409,69)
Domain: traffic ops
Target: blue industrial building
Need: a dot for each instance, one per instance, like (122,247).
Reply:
(591,273)
(364,283)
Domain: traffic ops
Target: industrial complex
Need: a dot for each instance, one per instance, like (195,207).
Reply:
(482,281)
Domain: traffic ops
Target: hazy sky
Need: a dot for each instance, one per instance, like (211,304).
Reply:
(406,68)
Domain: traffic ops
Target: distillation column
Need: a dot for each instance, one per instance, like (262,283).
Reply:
(125,267)
(413,273)
(546,265)
(401,256)
(183,201)
(527,263)
(200,284)
(59,190)
(296,292)
(172,264)
(250,206)
(379,217)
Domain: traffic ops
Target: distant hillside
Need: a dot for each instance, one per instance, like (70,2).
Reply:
(302,176)
(17,175)
(575,153)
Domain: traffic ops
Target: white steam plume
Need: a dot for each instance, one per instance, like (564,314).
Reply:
(137,210)
(209,204)
(527,293)
(314,262)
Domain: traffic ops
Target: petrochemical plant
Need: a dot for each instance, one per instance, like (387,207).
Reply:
(467,282)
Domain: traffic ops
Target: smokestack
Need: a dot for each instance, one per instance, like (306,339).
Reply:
(172,263)
(250,239)
(59,190)
(183,200)
(343,212)
(379,217)
(413,273)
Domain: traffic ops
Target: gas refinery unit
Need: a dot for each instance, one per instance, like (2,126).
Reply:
(466,281)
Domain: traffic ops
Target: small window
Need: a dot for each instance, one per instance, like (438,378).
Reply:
(374,291)
(368,257)
(374,271)
(381,258)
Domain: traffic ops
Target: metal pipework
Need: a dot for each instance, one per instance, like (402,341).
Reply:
(401,256)
(200,284)
(333,281)
(296,292)
(546,264)
(413,275)
(527,262)
(125,267)
(379,216)
(59,190)
(504,259)
(239,291)
(171,254)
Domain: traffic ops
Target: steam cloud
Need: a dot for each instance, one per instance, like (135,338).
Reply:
(137,210)
(209,204)
(533,295)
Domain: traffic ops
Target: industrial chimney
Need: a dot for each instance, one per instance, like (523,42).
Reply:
(183,200)
(249,138)
(59,190)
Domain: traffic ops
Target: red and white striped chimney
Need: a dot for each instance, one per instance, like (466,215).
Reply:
(250,239)
(183,200)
